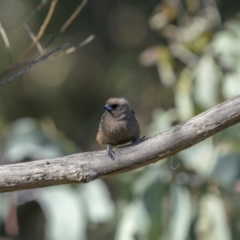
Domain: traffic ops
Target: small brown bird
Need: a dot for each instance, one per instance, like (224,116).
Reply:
(118,124)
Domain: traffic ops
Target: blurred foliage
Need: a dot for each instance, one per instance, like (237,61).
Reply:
(172,60)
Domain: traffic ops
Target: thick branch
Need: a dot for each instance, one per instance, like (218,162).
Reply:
(85,167)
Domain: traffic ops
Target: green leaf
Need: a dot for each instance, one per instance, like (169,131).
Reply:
(134,223)
(65,213)
(181,213)
(99,206)
(207,80)
(212,222)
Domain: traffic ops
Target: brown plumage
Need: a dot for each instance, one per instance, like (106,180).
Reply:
(118,124)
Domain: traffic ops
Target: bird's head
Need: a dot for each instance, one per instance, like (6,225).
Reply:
(118,107)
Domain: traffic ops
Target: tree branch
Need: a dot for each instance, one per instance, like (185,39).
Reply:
(85,167)
(31,64)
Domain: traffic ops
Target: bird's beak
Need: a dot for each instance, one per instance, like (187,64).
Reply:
(107,107)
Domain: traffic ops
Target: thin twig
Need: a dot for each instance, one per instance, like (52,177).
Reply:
(54,56)
(41,30)
(73,16)
(6,42)
(12,67)
(38,8)
(72,49)
(19,63)
(33,37)
(31,64)
(68,22)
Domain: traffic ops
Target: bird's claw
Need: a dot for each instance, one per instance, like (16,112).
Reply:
(138,140)
(143,138)
(110,152)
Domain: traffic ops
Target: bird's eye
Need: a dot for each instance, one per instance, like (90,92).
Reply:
(114,106)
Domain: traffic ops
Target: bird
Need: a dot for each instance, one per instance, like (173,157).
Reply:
(118,125)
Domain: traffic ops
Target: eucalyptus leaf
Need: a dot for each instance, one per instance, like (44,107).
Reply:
(134,223)
(65,213)
(162,120)
(99,205)
(207,81)
(201,158)
(181,213)
(212,222)
(183,95)
(227,169)
(231,85)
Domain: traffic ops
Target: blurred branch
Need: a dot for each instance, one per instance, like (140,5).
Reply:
(31,64)
(88,166)
(6,42)
(33,37)
(41,30)
(41,5)
(69,21)
(73,16)
(183,54)
(72,49)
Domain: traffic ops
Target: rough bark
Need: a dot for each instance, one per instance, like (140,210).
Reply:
(87,166)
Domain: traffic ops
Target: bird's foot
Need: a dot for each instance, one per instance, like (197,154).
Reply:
(110,152)
(138,140)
